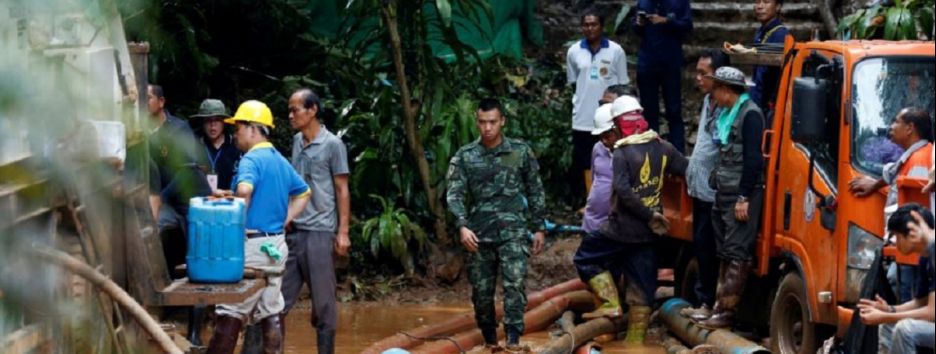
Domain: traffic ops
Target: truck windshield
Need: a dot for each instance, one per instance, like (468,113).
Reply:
(882,87)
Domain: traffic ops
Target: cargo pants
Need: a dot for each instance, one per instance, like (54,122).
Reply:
(510,257)
(268,301)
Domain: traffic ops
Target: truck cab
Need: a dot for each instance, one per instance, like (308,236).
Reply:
(818,240)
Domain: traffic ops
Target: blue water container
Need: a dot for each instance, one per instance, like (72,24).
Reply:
(216,240)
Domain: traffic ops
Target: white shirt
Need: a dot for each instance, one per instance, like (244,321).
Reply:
(592,74)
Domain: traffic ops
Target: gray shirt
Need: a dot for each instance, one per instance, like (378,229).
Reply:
(318,163)
(705,155)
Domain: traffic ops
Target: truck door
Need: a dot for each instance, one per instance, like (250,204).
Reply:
(800,233)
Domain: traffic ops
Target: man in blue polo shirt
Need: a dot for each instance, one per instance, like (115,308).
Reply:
(593,64)
(275,194)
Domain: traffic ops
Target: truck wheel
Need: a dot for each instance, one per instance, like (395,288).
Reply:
(686,282)
(791,332)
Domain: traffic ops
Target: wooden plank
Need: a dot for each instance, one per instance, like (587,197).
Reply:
(183,293)
(757,59)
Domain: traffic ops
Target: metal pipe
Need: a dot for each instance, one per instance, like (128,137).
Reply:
(464,322)
(693,335)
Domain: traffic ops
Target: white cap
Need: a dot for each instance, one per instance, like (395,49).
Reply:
(604,121)
(625,104)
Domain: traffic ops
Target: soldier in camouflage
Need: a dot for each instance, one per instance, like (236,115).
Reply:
(491,183)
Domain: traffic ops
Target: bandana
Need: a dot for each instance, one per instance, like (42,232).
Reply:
(630,126)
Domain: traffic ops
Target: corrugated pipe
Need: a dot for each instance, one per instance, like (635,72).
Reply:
(688,332)
(535,320)
(464,322)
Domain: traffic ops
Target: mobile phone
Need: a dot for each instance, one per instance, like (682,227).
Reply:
(642,15)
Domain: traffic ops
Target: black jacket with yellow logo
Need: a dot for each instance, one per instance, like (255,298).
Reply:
(641,163)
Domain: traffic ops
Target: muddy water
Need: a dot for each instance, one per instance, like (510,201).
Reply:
(362,324)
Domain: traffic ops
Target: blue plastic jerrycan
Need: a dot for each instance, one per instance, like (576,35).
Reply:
(216,230)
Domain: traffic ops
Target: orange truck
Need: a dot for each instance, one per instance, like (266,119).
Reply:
(835,103)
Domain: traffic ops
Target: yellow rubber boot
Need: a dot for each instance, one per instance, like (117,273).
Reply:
(638,320)
(603,287)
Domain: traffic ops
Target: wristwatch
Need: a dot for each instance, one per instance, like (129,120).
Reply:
(742,199)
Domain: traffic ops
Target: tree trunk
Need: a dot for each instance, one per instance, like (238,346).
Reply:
(828,17)
(410,114)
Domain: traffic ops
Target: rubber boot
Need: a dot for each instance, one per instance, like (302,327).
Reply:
(326,342)
(602,285)
(701,313)
(699,316)
(224,339)
(272,335)
(196,315)
(638,320)
(253,340)
(735,279)
(282,320)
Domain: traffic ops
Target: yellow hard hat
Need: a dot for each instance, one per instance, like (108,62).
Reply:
(254,112)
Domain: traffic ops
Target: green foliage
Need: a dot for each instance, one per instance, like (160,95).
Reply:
(904,20)
(392,231)
(239,50)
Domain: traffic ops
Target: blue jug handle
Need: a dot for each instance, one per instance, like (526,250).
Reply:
(221,201)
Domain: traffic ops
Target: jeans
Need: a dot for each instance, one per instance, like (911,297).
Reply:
(906,336)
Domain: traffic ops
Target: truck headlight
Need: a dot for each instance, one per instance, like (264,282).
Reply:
(862,248)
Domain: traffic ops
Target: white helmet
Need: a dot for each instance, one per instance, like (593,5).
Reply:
(625,104)
(604,121)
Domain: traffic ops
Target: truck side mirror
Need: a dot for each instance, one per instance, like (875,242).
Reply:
(810,105)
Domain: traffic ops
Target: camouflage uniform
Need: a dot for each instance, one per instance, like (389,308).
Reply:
(486,190)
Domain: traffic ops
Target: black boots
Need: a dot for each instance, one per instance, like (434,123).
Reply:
(729,296)
(272,335)
(326,342)
(253,340)
(227,329)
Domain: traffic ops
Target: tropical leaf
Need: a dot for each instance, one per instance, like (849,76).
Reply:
(925,20)
(445,11)
(892,25)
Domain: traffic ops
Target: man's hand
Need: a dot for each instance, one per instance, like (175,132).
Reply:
(539,241)
(659,224)
(342,244)
(741,211)
(862,186)
(872,316)
(919,228)
(878,304)
(657,19)
(221,193)
(469,240)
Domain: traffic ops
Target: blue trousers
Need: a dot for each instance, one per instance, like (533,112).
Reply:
(635,261)
(665,78)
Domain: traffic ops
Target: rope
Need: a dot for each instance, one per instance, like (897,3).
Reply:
(426,339)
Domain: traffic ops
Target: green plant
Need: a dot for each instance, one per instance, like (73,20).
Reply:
(393,231)
(902,20)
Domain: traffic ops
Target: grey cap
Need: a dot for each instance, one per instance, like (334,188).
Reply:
(212,108)
(730,76)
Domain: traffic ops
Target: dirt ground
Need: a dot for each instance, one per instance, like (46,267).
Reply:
(552,267)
